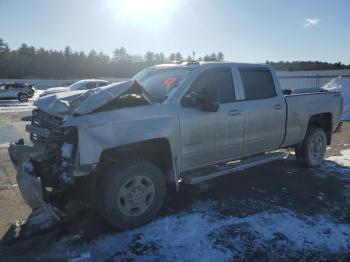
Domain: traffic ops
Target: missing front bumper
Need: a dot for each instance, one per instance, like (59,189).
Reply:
(28,182)
(29,185)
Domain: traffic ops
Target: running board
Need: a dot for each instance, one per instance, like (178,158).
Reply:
(230,167)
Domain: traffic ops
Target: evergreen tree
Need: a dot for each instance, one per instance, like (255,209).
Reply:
(220,57)
(172,57)
(178,57)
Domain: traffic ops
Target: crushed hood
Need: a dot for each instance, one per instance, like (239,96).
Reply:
(84,102)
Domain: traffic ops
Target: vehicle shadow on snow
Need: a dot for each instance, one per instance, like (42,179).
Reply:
(280,184)
(270,187)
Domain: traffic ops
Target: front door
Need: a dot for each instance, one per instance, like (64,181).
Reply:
(210,137)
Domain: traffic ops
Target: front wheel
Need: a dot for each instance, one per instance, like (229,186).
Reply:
(131,194)
(23,97)
(311,152)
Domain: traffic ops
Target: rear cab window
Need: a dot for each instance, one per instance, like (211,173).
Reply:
(257,83)
(217,79)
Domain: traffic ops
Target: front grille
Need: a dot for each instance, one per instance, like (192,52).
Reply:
(44,120)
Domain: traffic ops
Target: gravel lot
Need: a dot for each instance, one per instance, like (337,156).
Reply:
(278,211)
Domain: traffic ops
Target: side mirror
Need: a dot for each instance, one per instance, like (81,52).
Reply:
(188,101)
(204,101)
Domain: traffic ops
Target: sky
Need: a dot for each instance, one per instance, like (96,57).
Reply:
(244,30)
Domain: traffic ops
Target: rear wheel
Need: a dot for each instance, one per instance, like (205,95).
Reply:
(311,152)
(23,97)
(131,194)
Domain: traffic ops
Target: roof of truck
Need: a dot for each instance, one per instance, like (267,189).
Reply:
(196,64)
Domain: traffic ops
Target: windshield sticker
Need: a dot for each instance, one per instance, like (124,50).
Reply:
(170,81)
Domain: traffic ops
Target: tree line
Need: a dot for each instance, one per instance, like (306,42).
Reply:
(30,62)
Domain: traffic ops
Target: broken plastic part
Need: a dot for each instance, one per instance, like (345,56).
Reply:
(67,178)
(27,165)
(67,150)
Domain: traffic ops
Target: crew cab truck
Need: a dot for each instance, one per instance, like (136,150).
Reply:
(120,146)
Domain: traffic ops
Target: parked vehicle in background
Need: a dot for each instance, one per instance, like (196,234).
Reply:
(80,85)
(120,146)
(20,91)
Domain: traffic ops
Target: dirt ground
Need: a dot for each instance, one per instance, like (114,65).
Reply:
(278,211)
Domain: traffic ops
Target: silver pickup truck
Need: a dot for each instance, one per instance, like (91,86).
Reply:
(120,146)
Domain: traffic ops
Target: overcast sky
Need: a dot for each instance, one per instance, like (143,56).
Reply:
(244,30)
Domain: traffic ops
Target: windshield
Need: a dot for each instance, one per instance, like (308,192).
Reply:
(161,82)
(76,85)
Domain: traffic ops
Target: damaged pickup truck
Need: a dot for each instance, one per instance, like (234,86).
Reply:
(120,146)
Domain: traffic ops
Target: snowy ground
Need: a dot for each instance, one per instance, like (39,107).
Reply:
(8,106)
(204,233)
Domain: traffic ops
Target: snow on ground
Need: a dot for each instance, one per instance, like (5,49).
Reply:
(204,234)
(208,237)
(342,85)
(339,164)
(7,106)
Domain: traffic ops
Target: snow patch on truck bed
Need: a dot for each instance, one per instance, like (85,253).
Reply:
(342,85)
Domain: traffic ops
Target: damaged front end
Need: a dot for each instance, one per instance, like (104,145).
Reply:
(45,170)
(49,170)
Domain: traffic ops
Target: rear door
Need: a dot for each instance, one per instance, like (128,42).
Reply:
(209,137)
(264,110)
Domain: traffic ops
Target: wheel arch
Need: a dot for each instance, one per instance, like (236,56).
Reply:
(323,121)
(158,151)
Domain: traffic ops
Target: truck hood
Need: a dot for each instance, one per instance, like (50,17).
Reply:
(84,102)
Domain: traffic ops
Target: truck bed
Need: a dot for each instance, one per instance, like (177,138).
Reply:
(302,106)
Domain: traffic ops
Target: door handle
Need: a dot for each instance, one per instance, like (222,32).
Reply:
(234,112)
(277,107)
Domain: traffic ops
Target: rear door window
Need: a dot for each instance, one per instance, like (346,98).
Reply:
(219,80)
(257,83)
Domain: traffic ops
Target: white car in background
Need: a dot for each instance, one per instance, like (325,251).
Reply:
(80,85)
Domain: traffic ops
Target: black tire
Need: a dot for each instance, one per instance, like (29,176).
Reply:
(22,97)
(306,153)
(113,182)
